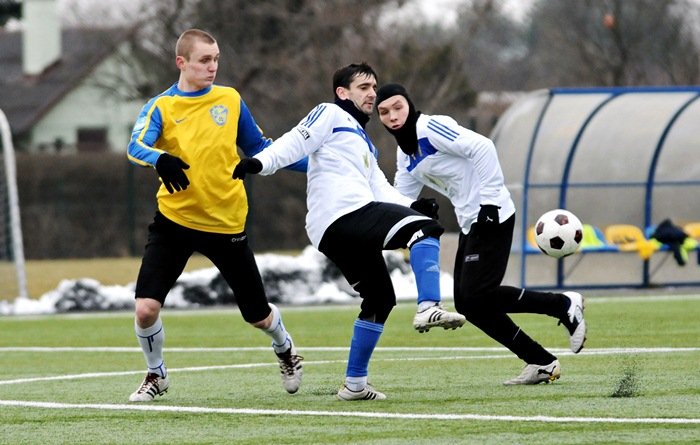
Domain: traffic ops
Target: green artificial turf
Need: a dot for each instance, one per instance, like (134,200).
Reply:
(66,379)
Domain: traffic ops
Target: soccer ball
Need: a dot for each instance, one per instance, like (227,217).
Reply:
(558,233)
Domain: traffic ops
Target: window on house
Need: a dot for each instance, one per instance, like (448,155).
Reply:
(92,139)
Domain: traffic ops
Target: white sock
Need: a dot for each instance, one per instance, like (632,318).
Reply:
(281,340)
(423,305)
(151,340)
(356,383)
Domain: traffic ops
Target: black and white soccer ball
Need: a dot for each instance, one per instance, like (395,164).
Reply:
(558,233)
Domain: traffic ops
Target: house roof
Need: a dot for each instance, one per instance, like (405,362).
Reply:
(25,99)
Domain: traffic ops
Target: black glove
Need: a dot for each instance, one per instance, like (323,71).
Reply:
(427,206)
(170,169)
(488,216)
(247,165)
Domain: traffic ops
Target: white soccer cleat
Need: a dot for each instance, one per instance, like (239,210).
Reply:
(153,385)
(291,369)
(574,322)
(436,316)
(534,374)
(366,393)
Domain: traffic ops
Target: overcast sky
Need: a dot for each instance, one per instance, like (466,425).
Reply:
(100,12)
(118,12)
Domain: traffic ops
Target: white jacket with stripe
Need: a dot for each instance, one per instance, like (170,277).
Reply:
(342,174)
(458,163)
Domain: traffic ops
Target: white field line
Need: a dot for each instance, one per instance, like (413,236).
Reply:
(360,414)
(560,351)
(234,349)
(376,415)
(238,366)
(504,354)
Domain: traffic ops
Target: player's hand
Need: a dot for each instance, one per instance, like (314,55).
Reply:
(247,165)
(171,170)
(488,216)
(427,206)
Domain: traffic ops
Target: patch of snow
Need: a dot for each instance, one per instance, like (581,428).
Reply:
(308,278)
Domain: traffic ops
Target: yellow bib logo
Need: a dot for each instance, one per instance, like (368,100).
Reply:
(219,113)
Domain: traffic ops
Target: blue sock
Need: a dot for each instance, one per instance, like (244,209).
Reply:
(425,262)
(364,338)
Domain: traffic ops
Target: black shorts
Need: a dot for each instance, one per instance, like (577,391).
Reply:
(169,247)
(354,242)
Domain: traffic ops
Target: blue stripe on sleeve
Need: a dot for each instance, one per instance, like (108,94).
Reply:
(313,116)
(442,130)
(140,150)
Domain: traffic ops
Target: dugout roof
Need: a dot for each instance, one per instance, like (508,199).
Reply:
(610,155)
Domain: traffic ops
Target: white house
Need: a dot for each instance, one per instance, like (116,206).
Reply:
(67,90)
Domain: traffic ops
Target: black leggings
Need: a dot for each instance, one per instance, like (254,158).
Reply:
(480,265)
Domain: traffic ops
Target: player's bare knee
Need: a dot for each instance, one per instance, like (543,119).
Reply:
(146,312)
(265,323)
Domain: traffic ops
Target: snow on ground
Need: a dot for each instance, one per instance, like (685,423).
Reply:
(308,278)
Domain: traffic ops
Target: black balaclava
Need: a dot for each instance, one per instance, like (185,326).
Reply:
(349,106)
(406,135)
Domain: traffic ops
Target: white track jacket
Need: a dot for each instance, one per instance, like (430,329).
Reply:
(342,174)
(458,163)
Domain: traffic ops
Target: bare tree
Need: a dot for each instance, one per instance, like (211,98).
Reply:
(279,53)
(490,45)
(612,42)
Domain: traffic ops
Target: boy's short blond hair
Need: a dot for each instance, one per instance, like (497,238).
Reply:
(185,42)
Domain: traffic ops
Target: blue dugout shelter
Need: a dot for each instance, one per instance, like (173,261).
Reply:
(611,156)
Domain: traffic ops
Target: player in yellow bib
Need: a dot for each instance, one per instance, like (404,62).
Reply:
(190,134)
